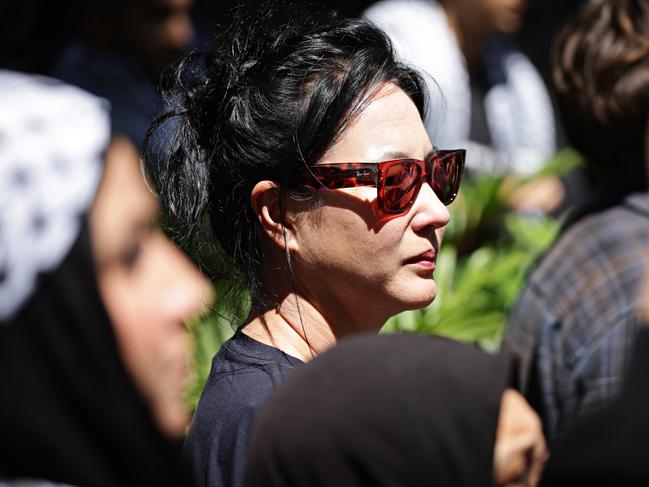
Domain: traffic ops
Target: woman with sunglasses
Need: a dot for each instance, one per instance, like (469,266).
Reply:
(299,146)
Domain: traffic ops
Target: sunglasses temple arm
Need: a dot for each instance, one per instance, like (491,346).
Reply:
(322,185)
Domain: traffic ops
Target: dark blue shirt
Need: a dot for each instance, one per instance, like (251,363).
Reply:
(243,375)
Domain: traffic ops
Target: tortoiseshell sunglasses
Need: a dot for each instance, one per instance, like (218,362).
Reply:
(397,182)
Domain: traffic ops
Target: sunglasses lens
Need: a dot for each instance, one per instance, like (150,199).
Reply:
(400,185)
(447,176)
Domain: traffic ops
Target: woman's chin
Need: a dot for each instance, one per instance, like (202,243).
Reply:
(419,295)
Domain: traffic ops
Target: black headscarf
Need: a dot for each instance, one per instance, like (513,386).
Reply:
(398,410)
(69,411)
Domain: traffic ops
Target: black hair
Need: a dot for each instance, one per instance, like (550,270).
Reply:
(272,93)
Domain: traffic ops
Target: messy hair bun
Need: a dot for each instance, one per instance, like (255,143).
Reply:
(272,93)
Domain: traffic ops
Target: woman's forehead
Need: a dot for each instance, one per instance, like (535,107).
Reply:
(389,123)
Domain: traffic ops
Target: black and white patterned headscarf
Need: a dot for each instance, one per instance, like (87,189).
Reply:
(52,137)
(69,410)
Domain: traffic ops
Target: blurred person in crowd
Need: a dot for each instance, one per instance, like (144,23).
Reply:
(25,25)
(575,321)
(299,141)
(94,356)
(611,446)
(122,51)
(220,14)
(399,410)
(544,19)
(492,99)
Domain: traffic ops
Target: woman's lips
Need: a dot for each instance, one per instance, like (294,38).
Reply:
(425,260)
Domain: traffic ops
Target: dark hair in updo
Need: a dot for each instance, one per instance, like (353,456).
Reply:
(601,76)
(273,93)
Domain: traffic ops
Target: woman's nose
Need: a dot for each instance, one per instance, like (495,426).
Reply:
(429,210)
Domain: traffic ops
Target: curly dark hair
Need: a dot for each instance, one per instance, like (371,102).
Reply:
(272,93)
(601,77)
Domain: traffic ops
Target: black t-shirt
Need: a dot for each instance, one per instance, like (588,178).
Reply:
(243,375)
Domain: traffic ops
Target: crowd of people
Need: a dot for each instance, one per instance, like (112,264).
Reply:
(304,162)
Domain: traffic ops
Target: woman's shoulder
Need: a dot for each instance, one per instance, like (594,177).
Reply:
(244,372)
(244,354)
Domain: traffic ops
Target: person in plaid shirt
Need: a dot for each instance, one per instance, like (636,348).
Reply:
(576,320)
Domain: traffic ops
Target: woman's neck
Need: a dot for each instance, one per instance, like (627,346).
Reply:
(298,328)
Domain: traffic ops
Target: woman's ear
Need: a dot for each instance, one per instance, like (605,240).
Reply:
(265,201)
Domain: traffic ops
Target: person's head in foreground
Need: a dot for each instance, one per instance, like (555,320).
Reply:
(94,356)
(303,147)
(398,410)
(601,78)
